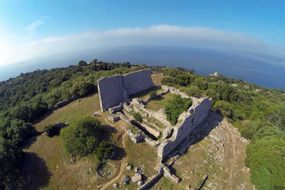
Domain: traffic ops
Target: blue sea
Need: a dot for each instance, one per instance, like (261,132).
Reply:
(267,72)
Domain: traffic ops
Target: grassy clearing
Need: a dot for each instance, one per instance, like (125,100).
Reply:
(53,164)
(159,103)
(157,78)
(145,94)
(142,155)
(49,167)
(71,112)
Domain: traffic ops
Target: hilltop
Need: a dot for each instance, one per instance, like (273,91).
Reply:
(246,126)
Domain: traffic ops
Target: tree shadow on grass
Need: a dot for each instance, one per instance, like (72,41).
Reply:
(120,153)
(29,142)
(108,131)
(35,172)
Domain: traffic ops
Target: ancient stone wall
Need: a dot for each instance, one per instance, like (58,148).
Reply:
(186,123)
(152,180)
(117,89)
(111,91)
(138,81)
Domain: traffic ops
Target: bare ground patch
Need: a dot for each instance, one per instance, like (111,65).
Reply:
(220,155)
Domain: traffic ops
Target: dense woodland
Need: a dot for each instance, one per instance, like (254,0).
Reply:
(258,113)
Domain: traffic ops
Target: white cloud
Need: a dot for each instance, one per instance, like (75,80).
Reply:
(162,35)
(31,28)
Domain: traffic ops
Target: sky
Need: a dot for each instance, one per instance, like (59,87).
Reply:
(34,28)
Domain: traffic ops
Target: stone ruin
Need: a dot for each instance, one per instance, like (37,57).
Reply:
(173,136)
(116,95)
(118,88)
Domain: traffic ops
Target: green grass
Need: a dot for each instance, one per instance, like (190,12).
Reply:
(72,112)
(152,120)
(55,162)
(142,155)
(160,103)
(51,160)
(145,94)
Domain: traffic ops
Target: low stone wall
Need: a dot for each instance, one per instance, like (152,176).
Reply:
(167,173)
(65,102)
(158,115)
(136,138)
(186,123)
(152,181)
(175,91)
(151,130)
(151,142)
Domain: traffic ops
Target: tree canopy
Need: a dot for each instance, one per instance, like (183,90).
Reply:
(82,137)
(175,107)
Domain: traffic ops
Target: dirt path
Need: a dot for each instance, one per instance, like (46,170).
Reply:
(235,151)
(123,164)
(233,154)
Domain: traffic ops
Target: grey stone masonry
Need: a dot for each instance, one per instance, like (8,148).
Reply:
(186,123)
(117,89)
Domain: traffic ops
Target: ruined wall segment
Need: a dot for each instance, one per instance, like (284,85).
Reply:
(111,91)
(187,122)
(138,81)
(117,89)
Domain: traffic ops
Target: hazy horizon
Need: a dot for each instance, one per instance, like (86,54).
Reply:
(250,68)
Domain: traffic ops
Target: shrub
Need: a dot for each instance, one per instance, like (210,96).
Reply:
(179,79)
(137,116)
(104,151)
(11,158)
(152,94)
(82,88)
(250,128)
(202,83)
(19,131)
(194,91)
(265,157)
(224,108)
(268,131)
(83,137)
(175,107)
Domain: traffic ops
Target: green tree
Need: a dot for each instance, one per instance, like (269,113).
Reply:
(104,151)
(83,137)
(175,107)
(52,130)
(18,131)
(82,88)
(265,157)
(194,91)
(224,108)
(137,116)
(11,157)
